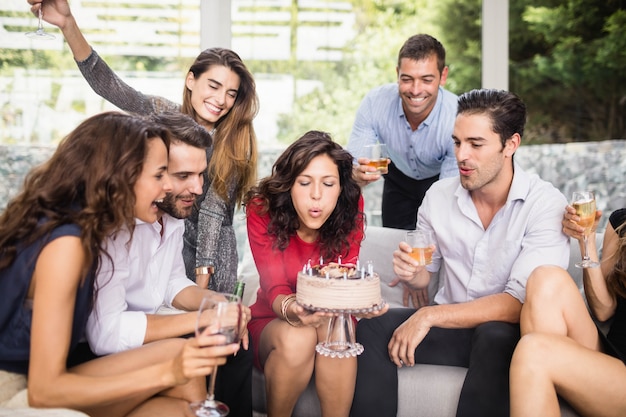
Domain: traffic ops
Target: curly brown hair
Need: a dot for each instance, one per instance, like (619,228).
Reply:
(234,140)
(89,181)
(616,279)
(273,195)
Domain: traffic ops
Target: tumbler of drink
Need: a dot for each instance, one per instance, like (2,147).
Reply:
(378,156)
(422,243)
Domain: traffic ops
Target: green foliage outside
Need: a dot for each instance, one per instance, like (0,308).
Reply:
(567,62)
(370,60)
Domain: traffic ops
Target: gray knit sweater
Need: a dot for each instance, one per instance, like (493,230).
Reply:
(209,237)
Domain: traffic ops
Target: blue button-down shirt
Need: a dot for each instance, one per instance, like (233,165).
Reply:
(419,154)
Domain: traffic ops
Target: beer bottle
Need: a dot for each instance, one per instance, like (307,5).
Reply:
(239,287)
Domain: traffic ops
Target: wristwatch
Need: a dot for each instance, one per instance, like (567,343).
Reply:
(204,270)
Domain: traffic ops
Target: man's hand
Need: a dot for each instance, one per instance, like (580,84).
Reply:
(419,297)
(407,337)
(408,270)
(365,174)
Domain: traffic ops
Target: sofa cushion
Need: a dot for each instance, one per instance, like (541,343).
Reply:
(424,390)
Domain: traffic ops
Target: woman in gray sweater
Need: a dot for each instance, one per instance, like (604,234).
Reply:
(220,94)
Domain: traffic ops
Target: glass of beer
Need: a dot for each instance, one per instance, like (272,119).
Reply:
(423,245)
(584,202)
(378,156)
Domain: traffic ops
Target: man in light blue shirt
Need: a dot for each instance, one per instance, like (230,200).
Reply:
(414,118)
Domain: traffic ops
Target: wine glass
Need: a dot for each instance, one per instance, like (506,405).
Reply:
(584,202)
(40,33)
(218,314)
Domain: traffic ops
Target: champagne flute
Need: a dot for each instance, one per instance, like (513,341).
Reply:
(584,202)
(225,318)
(40,33)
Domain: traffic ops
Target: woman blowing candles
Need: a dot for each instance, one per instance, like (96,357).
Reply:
(309,207)
(561,351)
(110,170)
(219,93)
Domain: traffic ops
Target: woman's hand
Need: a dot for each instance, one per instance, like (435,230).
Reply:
(309,317)
(200,355)
(570,223)
(373,314)
(246,315)
(55,12)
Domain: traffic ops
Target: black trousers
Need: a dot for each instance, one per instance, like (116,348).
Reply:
(402,196)
(233,383)
(485,350)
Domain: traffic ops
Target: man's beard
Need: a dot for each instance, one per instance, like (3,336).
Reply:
(168,205)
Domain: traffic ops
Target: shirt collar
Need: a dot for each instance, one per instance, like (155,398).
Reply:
(520,186)
(169,223)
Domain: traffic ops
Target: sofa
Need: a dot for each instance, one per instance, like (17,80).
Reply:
(424,390)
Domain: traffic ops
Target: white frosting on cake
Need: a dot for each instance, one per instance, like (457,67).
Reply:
(316,289)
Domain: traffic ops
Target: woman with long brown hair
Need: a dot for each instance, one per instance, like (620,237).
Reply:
(220,94)
(111,170)
(562,352)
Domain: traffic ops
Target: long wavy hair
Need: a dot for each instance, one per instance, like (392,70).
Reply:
(616,280)
(234,141)
(273,195)
(88,181)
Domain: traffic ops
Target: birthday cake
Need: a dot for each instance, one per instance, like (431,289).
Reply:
(338,287)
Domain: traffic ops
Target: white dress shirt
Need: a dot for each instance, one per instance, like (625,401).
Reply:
(524,234)
(142,277)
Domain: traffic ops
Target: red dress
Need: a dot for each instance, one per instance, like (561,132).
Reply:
(278,270)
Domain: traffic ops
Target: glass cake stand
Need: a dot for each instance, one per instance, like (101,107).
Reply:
(340,340)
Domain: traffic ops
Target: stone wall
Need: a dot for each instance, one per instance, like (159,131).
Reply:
(598,166)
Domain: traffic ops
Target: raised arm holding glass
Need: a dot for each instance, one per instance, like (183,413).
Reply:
(562,352)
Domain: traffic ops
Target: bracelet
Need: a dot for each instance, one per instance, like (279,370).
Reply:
(204,270)
(287,301)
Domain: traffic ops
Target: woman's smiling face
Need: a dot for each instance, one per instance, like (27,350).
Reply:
(314,195)
(213,93)
(153,182)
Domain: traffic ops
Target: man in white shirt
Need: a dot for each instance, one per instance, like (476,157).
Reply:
(141,277)
(493,224)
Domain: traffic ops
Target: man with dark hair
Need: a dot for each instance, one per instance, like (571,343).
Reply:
(414,118)
(493,225)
